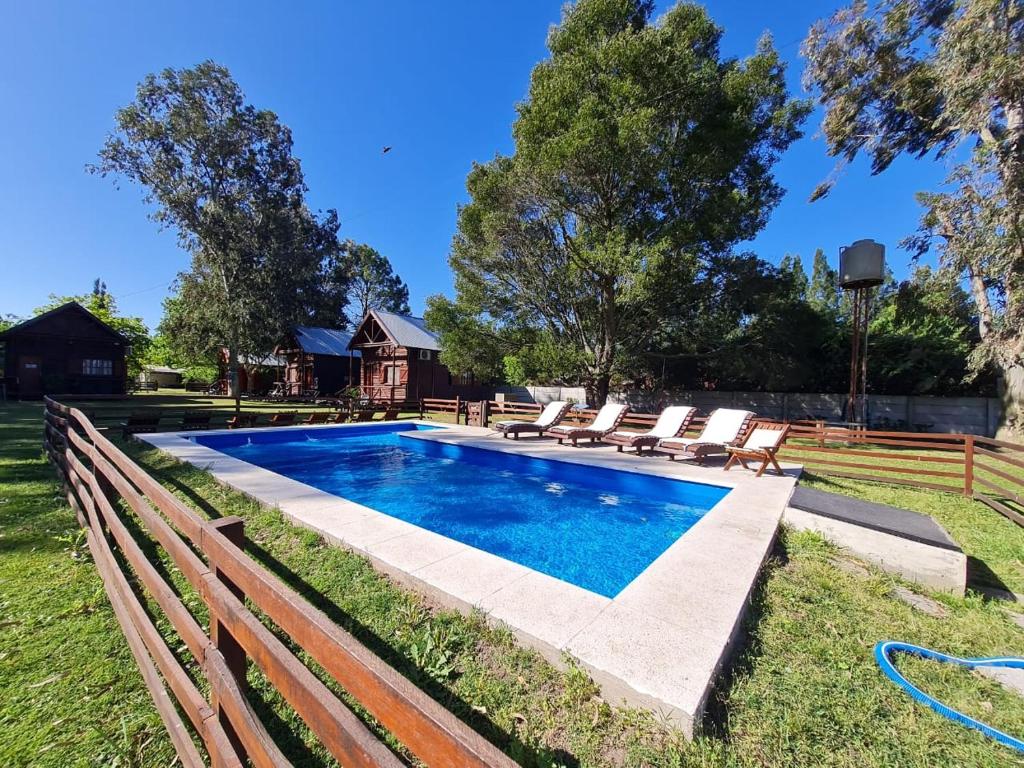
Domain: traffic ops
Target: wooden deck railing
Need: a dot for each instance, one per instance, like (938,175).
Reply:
(988,470)
(221,728)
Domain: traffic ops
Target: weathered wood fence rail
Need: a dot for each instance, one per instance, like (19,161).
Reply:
(983,468)
(221,727)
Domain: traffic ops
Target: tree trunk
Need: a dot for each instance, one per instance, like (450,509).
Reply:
(599,381)
(598,386)
(233,388)
(1011,426)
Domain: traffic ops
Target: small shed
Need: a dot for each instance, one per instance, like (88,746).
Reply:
(401,361)
(162,376)
(318,360)
(67,350)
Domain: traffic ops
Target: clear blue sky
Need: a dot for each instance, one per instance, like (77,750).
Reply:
(437,81)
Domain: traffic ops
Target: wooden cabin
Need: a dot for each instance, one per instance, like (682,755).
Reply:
(67,350)
(318,360)
(400,361)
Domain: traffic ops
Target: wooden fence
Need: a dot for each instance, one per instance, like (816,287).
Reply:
(988,470)
(113,497)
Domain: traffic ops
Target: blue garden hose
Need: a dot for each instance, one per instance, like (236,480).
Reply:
(884,648)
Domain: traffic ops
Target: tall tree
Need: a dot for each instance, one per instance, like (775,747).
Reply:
(925,76)
(222,174)
(372,283)
(792,266)
(640,152)
(823,291)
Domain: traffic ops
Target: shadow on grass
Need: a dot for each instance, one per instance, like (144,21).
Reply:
(982,579)
(745,650)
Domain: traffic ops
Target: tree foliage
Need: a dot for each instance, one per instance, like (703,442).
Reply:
(928,76)
(640,152)
(221,173)
(372,283)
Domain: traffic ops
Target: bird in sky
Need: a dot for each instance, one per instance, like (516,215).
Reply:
(386,150)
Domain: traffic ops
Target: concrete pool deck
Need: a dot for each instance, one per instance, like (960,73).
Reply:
(660,643)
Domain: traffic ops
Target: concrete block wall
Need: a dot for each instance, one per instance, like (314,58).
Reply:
(544,395)
(961,415)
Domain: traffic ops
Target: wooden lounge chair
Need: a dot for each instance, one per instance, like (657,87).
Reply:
(338,417)
(190,421)
(316,418)
(553,413)
(724,427)
(240,420)
(672,422)
(761,444)
(138,423)
(606,422)
(282,419)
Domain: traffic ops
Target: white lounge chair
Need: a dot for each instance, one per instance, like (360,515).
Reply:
(672,422)
(606,421)
(553,413)
(724,427)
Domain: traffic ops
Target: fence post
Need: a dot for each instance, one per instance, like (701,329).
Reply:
(458,408)
(421,408)
(969,466)
(233,529)
(485,413)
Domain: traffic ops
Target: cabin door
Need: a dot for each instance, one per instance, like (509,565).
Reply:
(30,376)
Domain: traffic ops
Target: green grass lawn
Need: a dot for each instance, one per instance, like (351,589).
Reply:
(803,689)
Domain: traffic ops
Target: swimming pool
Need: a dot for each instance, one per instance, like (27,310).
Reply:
(593,527)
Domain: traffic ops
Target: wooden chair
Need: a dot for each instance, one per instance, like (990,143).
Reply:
(761,444)
(282,419)
(338,417)
(137,423)
(316,418)
(241,420)
(190,421)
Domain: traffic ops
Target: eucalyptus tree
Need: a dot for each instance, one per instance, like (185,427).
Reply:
(373,283)
(942,77)
(221,173)
(640,153)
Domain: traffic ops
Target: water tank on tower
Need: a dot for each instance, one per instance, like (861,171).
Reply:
(862,264)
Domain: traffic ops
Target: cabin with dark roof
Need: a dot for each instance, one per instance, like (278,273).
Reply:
(67,350)
(318,360)
(400,361)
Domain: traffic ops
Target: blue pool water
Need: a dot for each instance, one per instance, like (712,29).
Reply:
(593,527)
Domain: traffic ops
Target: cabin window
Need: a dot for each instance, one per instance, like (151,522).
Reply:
(424,354)
(92,367)
(390,374)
